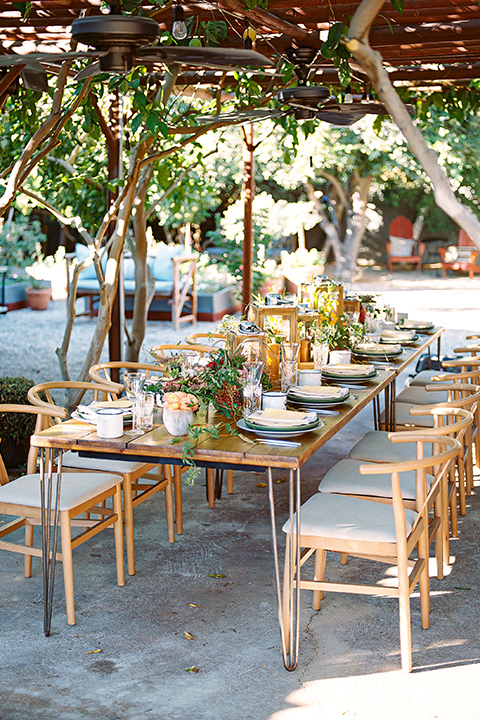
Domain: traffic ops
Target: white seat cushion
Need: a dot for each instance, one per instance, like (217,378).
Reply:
(417,395)
(72,460)
(345,518)
(403,416)
(376,447)
(345,478)
(76,488)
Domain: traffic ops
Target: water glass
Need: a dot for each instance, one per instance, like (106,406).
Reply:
(252,398)
(289,374)
(289,352)
(320,355)
(134,382)
(253,371)
(143,407)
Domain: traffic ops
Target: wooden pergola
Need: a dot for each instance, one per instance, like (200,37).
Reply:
(430,44)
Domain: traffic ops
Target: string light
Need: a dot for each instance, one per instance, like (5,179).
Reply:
(179,29)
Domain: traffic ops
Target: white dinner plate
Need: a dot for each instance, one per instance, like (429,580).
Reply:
(276,433)
(295,396)
(417,325)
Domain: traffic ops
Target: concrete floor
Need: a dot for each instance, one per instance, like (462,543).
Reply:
(128,656)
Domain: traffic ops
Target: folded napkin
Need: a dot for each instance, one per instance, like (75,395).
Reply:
(317,391)
(273,417)
(376,349)
(417,323)
(398,334)
(350,369)
(121,403)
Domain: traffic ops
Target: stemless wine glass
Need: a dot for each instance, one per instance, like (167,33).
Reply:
(134,382)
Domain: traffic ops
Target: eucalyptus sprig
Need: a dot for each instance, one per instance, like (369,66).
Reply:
(194,434)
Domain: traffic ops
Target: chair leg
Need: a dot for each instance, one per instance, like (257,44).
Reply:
(462,484)
(118,532)
(404,615)
(230,482)
(319,574)
(66,532)
(177,484)
(128,515)
(27,561)
(211,487)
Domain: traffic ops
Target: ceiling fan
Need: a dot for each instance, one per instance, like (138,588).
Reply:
(121,42)
(306,102)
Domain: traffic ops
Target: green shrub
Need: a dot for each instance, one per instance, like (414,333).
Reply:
(15,426)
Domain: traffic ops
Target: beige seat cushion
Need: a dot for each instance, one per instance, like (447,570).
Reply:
(425,377)
(403,416)
(417,395)
(345,478)
(72,460)
(76,488)
(376,447)
(345,518)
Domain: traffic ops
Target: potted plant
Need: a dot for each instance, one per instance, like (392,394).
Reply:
(15,428)
(20,245)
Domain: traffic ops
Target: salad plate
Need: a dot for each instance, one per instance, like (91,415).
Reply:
(266,433)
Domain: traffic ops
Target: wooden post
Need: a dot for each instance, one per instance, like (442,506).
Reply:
(248,191)
(115,334)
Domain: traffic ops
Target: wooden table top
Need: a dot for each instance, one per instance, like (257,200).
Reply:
(231,450)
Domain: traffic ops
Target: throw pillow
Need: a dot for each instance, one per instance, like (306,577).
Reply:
(401,246)
(162,266)
(82,253)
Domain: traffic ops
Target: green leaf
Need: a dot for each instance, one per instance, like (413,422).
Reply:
(398,6)
(136,122)
(335,35)
(344,73)
(286,158)
(24,7)
(152,122)
(327,51)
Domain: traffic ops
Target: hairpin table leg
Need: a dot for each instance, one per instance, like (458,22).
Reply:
(49,530)
(289,600)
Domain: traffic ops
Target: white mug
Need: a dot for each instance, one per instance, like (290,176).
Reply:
(337,357)
(274,399)
(109,422)
(309,377)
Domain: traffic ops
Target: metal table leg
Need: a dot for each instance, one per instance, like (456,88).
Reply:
(49,517)
(289,600)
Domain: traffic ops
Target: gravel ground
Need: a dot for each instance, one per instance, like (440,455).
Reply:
(29,339)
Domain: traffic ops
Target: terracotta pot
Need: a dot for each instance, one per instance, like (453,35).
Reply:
(177,421)
(39,299)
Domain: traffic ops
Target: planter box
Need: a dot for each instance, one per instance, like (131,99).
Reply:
(213,306)
(15,295)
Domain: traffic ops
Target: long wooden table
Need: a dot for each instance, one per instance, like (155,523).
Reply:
(227,452)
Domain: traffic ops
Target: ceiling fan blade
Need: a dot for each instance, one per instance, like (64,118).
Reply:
(207,57)
(240,117)
(92,69)
(336,118)
(35,77)
(50,58)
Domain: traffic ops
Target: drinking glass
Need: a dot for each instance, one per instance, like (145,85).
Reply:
(252,398)
(289,374)
(320,355)
(134,382)
(290,352)
(143,406)
(253,371)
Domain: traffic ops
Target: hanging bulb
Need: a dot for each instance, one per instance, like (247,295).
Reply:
(249,37)
(179,29)
(348,95)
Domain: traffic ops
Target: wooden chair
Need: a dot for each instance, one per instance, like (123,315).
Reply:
(462,257)
(402,246)
(379,532)
(139,482)
(212,340)
(344,478)
(161,352)
(106,372)
(82,495)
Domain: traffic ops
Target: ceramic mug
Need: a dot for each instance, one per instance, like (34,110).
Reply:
(337,357)
(109,422)
(274,399)
(309,377)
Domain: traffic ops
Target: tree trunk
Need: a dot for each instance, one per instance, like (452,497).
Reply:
(371,61)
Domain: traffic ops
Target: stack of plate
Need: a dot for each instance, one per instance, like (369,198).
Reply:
(317,396)
(88,413)
(369,350)
(392,337)
(349,372)
(416,325)
(279,423)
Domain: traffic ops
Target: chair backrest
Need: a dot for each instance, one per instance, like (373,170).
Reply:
(464,239)
(59,413)
(44,395)
(216,340)
(161,352)
(437,465)
(101,373)
(401,227)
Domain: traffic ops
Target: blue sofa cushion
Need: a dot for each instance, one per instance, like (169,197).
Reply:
(162,266)
(82,253)
(129,269)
